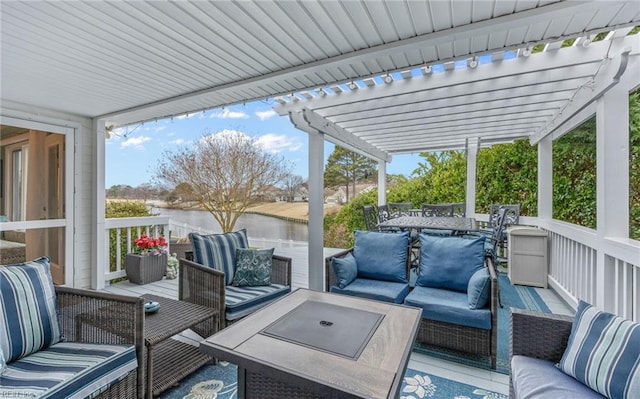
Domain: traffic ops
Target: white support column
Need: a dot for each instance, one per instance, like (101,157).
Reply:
(316,211)
(382,182)
(472,155)
(612,176)
(99,245)
(545,178)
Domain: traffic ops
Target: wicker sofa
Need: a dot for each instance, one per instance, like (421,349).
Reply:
(108,367)
(447,321)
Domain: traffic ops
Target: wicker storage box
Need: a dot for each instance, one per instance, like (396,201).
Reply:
(144,269)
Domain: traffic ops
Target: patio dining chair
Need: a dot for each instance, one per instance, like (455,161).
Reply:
(511,216)
(370,217)
(459,209)
(398,209)
(383,213)
(437,210)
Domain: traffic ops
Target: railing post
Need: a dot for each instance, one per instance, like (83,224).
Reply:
(612,188)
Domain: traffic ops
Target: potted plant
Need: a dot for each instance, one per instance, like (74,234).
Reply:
(149,262)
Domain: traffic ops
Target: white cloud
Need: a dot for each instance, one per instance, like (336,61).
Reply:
(186,116)
(160,128)
(177,142)
(227,114)
(265,114)
(135,141)
(279,142)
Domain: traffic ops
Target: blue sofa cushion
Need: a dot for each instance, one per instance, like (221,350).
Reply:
(218,251)
(449,307)
(68,370)
(386,291)
(449,262)
(253,267)
(241,301)
(479,289)
(345,269)
(603,353)
(541,379)
(28,315)
(381,256)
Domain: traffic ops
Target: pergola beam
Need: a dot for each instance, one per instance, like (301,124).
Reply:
(606,77)
(537,102)
(447,98)
(340,136)
(515,68)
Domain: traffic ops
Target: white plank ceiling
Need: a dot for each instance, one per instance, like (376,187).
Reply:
(129,62)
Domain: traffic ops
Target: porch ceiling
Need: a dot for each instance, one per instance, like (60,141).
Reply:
(135,61)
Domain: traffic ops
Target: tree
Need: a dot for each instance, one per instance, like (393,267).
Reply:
(345,167)
(291,186)
(225,170)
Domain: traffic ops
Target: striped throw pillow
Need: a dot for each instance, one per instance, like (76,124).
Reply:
(28,316)
(218,251)
(603,353)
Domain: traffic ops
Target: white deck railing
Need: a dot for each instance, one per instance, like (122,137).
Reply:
(575,254)
(573,259)
(122,231)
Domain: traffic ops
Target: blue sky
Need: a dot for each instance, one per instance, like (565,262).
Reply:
(133,151)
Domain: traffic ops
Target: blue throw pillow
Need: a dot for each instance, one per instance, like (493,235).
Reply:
(381,256)
(28,310)
(479,289)
(253,267)
(346,270)
(603,353)
(449,262)
(218,251)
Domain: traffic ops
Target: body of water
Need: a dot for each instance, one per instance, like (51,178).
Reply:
(257,226)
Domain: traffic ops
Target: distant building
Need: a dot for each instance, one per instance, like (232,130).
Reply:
(338,195)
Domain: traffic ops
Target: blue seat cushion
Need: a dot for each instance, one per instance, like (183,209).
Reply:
(68,370)
(241,301)
(381,256)
(28,309)
(386,291)
(449,262)
(218,251)
(537,378)
(449,307)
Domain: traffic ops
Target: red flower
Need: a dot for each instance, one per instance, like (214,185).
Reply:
(148,245)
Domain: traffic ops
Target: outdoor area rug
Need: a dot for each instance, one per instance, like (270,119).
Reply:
(219,382)
(513,296)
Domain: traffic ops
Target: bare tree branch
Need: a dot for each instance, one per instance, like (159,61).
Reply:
(225,171)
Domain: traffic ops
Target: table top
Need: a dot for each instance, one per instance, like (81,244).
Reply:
(172,318)
(431,222)
(376,372)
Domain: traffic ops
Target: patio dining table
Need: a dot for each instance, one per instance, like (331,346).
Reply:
(430,222)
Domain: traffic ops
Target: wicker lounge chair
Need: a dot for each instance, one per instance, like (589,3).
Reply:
(206,286)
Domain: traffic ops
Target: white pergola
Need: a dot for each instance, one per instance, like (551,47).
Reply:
(378,77)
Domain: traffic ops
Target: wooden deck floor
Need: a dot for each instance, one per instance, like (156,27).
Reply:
(454,371)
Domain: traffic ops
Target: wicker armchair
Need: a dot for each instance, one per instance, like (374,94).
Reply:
(126,330)
(538,335)
(205,286)
(466,339)
(447,335)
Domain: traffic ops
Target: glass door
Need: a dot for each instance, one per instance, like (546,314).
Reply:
(33,194)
